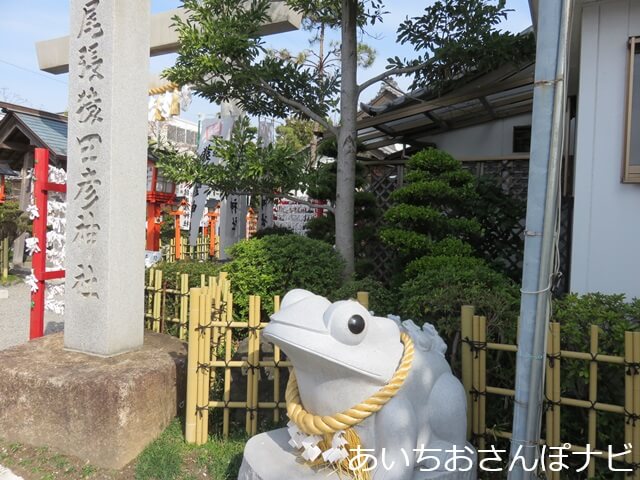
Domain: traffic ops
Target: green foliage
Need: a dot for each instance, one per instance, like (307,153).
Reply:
(295,133)
(13,221)
(263,232)
(460,39)
(432,206)
(275,264)
(438,285)
(500,216)
(442,200)
(322,186)
(223,56)
(382,300)
(245,166)
(171,270)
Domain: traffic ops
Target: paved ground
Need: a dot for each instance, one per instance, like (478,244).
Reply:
(14,318)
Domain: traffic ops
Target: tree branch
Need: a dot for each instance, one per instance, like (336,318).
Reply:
(390,73)
(300,107)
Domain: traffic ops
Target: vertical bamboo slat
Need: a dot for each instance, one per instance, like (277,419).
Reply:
(628,392)
(157,300)
(255,362)
(276,370)
(467,361)
(250,373)
(635,425)
(192,368)
(556,389)
(363,298)
(593,396)
(475,380)
(184,304)
(228,297)
(205,383)
(549,415)
(148,307)
(4,258)
(482,382)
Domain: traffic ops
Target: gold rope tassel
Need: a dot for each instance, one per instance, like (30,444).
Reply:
(328,425)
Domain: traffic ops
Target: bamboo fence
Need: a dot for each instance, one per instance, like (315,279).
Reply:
(212,330)
(4,259)
(205,316)
(199,252)
(474,365)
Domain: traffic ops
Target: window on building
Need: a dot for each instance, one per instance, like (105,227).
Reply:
(522,139)
(631,161)
(182,135)
(172,133)
(191,137)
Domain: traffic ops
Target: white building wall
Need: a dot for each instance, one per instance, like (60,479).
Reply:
(606,226)
(491,139)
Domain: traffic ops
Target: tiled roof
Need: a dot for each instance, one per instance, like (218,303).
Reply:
(52,132)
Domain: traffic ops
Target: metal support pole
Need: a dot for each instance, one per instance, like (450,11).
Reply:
(554,20)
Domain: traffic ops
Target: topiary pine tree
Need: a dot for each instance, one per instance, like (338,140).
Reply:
(434,205)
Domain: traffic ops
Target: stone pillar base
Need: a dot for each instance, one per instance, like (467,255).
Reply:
(268,456)
(103,410)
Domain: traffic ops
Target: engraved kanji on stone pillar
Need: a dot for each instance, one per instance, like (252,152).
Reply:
(107,152)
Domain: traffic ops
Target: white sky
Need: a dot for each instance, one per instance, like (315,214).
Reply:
(23,22)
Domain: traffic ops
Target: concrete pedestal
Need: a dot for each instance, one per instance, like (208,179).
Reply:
(269,457)
(104,410)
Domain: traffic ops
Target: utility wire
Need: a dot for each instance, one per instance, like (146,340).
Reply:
(33,72)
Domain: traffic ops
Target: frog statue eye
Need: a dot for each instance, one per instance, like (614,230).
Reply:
(347,322)
(356,324)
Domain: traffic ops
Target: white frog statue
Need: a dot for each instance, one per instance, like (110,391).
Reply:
(388,381)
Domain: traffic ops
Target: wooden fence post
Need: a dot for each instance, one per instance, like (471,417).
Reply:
(466,330)
(191,406)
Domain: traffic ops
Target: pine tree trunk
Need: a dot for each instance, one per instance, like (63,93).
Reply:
(346,177)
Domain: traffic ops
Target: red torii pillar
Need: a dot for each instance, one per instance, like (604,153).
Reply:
(42,187)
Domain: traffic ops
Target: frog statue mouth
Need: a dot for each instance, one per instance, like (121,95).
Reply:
(314,333)
(275,333)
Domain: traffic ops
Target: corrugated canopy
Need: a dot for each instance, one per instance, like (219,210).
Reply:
(407,120)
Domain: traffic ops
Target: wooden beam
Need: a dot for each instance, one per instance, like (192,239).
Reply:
(15,146)
(488,107)
(437,120)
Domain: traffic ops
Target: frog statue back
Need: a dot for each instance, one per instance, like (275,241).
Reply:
(368,396)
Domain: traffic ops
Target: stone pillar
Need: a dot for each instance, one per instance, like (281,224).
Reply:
(107,152)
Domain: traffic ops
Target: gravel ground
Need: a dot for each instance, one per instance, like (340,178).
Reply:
(14,317)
